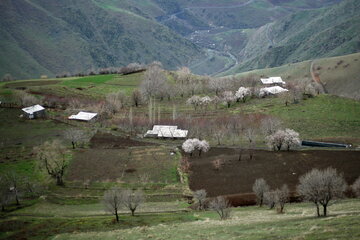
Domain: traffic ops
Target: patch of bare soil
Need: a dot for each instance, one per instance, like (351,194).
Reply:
(23,85)
(109,141)
(236,178)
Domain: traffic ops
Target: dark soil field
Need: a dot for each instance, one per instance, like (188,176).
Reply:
(152,164)
(107,140)
(277,168)
(24,84)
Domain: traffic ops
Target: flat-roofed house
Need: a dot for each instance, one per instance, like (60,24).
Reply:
(83,116)
(272,81)
(35,111)
(272,90)
(164,131)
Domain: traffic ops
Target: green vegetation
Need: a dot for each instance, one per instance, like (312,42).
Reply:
(247,222)
(331,116)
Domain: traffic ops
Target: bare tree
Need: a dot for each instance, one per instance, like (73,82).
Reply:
(112,201)
(270,125)
(356,187)
(54,157)
(4,192)
(7,77)
(260,187)
(75,136)
(132,199)
(200,195)
(281,197)
(269,199)
(26,99)
(321,186)
(217,84)
(136,97)
(154,82)
(115,101)
(222,206)
(15,182)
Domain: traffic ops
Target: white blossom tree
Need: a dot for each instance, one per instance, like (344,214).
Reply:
(228,97)
(242,94)
(288,138)
(291,139)
(189,145)
(202,146)
(204,102)
(195,101)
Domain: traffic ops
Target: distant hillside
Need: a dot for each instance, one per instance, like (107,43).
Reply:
(339,75)
(49,37)
(307,34)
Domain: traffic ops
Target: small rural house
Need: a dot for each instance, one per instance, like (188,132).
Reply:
(163,131)
(35,111)
(272,90)
(272,81)
(83,116)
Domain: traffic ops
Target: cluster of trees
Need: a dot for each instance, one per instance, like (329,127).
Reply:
(130,68)
(7,77)
(116,199)
(13,186)
(25,99)
(273,198)
(219,204)
(190,145)
(316,186)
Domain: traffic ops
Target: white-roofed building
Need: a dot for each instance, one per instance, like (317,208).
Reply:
(272,81)
(272,90)
(83,116)
(163,131)
(35,111)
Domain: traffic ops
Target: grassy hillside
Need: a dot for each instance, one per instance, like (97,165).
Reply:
(38,37)
(340,75)
(249,223)
(303,35)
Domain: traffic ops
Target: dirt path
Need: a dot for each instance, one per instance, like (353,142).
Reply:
(316,77)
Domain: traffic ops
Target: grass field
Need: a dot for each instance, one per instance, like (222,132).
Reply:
(298,222)
(322,117)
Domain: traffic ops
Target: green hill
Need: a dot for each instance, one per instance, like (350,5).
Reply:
(42,37)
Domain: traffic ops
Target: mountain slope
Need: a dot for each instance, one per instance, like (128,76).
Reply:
(49,37)
(304,35)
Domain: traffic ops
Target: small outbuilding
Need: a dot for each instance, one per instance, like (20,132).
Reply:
(164,131)
(272,90)
(36,111)
(272,81)
(83,116)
